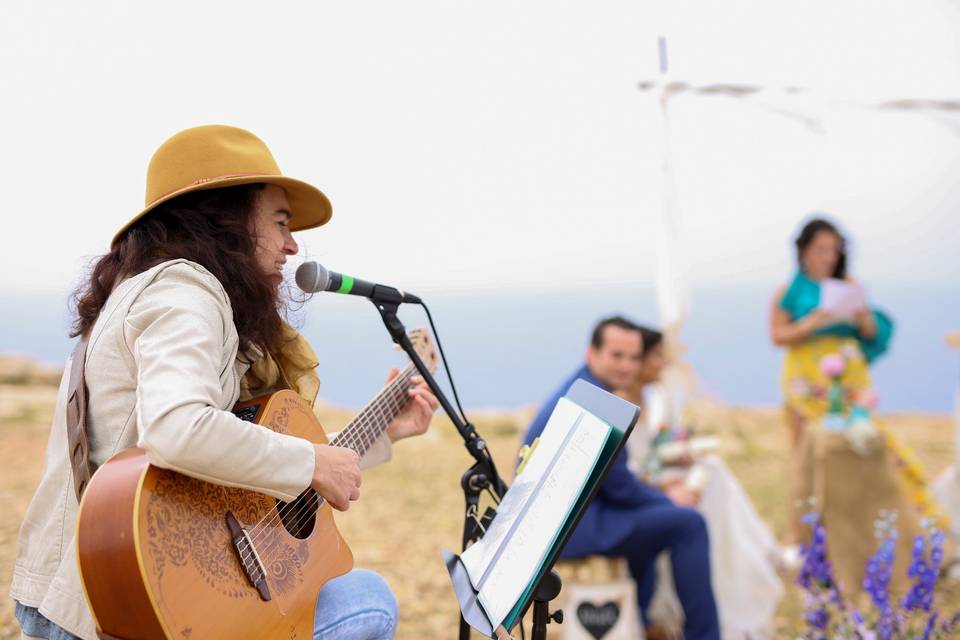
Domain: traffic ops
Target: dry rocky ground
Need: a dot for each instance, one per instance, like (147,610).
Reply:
(411,507)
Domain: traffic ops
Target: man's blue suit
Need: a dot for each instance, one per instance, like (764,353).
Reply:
(630,519)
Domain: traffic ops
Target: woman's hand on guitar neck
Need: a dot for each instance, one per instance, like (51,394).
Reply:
(336,475)
(414,419)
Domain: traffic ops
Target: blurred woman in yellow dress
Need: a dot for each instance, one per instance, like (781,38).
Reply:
(841,454)
(809,332)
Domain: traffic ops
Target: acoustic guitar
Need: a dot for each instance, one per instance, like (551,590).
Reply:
(163,555)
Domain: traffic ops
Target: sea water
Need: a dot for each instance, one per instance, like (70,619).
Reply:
(511,348)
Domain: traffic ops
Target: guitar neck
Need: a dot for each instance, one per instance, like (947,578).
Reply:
(374,418)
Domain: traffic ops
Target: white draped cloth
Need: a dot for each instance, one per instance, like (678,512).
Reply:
(743,553)
(946,488)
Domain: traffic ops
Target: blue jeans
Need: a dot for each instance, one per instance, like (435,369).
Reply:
(683,532)
(355,606)
(33,624)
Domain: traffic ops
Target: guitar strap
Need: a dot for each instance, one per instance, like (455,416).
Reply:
(77,431)
(79,446)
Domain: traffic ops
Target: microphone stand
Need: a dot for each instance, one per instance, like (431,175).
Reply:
(481,476)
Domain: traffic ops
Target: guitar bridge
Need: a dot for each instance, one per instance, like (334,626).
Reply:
(249,559)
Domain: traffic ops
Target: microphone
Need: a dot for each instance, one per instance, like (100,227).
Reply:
(313,277)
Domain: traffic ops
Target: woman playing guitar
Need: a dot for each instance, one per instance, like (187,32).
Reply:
(181,320)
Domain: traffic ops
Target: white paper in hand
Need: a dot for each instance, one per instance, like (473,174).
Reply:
(841,299)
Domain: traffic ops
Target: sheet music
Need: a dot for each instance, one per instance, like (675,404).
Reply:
(529,518)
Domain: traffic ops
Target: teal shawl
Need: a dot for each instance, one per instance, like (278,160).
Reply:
(803,297)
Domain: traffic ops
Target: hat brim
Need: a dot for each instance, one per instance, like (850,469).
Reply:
(309,207)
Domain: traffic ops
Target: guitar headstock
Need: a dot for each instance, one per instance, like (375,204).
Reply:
(424,347)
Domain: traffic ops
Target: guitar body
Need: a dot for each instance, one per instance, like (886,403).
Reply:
(158,559)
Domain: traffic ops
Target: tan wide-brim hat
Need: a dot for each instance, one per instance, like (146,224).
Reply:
(214,156)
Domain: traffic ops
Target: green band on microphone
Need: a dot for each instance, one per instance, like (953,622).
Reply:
(346,284)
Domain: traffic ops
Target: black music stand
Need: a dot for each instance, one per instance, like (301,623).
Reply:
(612,410)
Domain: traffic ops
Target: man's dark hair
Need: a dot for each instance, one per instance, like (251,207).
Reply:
(615,321)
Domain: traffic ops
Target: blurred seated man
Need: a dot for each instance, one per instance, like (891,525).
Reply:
(628,518)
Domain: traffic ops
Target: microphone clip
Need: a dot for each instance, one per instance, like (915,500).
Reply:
(383,294)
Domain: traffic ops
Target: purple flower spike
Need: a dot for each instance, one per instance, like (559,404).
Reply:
(920,596)
(879,567)
(931,624)
(816,578)
(888,624)
(818,619)
(827,615)
(816,570)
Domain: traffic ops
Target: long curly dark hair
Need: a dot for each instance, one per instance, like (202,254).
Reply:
(811,229)
(212,228)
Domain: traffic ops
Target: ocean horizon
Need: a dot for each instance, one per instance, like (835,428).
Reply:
(511,348)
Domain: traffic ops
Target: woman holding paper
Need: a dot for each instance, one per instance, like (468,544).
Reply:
(820,313)
(857,467)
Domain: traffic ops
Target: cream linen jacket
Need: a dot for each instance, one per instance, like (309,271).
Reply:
(162,372)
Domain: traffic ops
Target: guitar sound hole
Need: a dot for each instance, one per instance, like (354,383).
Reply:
(300,516)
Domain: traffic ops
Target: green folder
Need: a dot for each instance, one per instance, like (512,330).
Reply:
(615,415)
(611,447)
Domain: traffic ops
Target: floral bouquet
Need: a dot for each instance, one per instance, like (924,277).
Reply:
(674,456)
(849,411)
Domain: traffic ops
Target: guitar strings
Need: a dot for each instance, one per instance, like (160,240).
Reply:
(310,500)
(310,503)
(350,438)
(307,509)
(303,507)
(391,397)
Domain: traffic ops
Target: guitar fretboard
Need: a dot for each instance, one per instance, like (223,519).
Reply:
(373,419)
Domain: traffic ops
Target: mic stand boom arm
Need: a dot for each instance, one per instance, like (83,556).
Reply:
(482,475)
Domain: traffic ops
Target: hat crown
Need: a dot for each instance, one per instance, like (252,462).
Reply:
(204,154)
(219,156)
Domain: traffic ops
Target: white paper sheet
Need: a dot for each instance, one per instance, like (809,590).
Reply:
(503,563)
(841,299)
